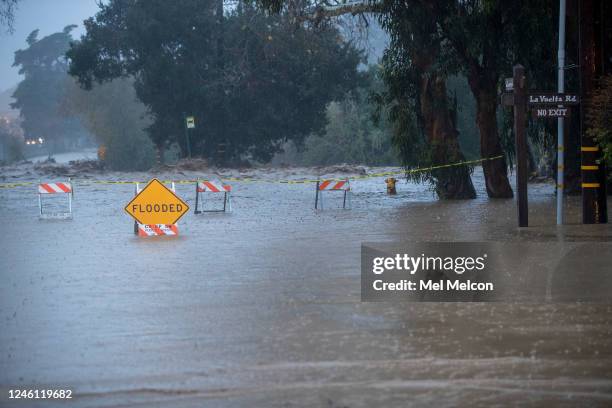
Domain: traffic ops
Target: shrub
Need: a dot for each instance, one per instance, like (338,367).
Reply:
(133,152)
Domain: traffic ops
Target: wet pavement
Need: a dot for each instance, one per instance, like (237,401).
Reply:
(261,307)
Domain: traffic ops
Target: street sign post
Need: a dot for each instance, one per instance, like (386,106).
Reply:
(555,105)
(156,204)
(542,105)
(189,124)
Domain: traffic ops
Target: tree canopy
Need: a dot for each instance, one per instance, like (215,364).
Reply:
(251,80)
(479,39)
(39,95)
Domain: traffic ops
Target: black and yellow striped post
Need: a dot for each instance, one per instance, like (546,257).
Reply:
(594,206)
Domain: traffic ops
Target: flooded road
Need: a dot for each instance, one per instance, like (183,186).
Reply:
(261,307)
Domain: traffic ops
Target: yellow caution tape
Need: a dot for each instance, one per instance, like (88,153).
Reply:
(255,180)
(11,185)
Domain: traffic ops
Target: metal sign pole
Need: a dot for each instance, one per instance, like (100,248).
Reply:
(173,187)
(195,211)
(135,222)
(560,120)
(187,141)
(520,137)
(70,196)
(40,200)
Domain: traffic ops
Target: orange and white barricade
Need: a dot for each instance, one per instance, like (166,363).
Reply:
(208,186)
(47,189)
(154,230)
(343,186)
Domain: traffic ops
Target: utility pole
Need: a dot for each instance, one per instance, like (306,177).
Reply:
(520,138)
(560,123)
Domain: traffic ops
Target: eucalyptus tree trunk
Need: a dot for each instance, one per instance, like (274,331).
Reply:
(495,171)
(452,182)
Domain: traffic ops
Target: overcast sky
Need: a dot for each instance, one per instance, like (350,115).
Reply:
(50,16)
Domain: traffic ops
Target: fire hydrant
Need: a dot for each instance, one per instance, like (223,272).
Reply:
(102,153)
(391,185)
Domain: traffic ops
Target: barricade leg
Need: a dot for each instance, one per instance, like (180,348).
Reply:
(40,201)
(195,211)
(317,196)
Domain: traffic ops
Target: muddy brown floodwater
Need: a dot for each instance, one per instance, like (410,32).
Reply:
(261,307)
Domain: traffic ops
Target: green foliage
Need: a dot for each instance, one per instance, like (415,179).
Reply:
(117,119)
(410,36)
(351,135)
(11,142)
(486,39)
(39,95)
(465,107)
(477,39)
(599,117)
(252,81)
(130,152)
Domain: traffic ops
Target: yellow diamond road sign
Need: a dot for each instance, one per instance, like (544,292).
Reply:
(156,204)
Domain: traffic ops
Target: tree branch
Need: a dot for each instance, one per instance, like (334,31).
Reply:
(353,8)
